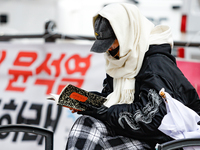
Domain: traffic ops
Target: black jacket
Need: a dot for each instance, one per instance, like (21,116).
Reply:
(141,119)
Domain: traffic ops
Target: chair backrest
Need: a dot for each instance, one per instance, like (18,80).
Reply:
(30,129)
(179,144)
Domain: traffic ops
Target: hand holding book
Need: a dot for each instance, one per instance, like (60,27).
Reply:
(73,98)
(96,112)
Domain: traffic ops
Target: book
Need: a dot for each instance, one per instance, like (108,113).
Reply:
(74,98)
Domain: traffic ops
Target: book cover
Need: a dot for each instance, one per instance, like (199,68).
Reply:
(71,96)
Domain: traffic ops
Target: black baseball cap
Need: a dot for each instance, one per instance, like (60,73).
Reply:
(104,34)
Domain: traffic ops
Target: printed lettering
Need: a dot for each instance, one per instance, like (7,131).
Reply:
(3,56)
(37,108)
(16,74)
(46,75)
(36,121)
(44,66)
(8,118)
(25,59)
(56,63)
(80,64)
(46,82)
(10,106)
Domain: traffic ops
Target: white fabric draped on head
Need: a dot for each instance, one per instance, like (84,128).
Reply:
(134,33)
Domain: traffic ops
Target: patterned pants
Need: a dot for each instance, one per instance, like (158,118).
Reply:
(89,133)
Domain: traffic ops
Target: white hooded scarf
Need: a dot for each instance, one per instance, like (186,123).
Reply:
(134,33)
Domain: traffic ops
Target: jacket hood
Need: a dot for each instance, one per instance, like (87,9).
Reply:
(164,49)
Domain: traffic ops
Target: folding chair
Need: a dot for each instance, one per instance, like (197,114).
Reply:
(30,129)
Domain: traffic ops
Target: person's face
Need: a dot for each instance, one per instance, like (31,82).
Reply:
(114,49)
(114,45)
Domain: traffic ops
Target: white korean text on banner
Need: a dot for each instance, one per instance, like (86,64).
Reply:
(28,73)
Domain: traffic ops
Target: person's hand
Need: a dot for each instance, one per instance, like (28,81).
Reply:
(96,112)
(73,110)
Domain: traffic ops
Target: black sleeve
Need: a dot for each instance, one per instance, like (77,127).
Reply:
(141,119)
(107,87)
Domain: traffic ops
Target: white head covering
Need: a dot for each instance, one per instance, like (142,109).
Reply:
(134,33)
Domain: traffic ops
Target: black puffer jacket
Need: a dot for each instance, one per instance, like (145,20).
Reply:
(141,119)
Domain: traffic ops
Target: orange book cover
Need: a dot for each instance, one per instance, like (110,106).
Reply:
(71,96)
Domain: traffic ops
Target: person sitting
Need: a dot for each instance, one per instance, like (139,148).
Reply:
(139,64)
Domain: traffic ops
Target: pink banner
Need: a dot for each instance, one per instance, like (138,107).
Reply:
(191,70)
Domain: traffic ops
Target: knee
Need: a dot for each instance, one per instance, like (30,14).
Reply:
(86,121)
(89,122)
